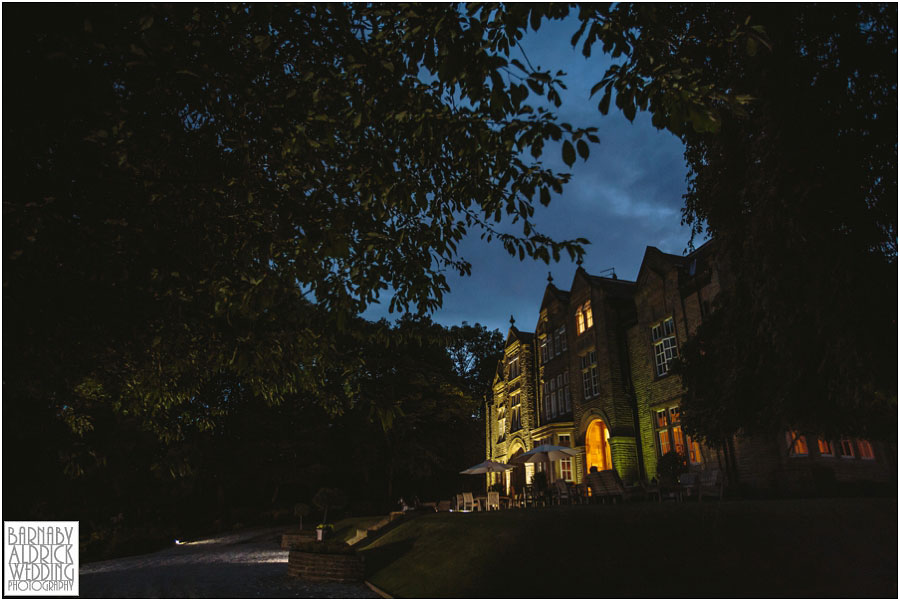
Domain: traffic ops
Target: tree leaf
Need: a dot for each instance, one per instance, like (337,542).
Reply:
(568,153)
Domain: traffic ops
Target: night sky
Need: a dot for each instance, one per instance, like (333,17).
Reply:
(625,197)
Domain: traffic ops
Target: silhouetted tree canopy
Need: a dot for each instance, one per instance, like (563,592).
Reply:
(212,193)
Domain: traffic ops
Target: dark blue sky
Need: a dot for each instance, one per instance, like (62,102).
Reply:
(626,196)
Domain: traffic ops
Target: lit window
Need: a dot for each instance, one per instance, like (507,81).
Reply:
(678,438)
(665,348)
(584,317)
(565,465)
(694,454)
(847,448)
(669,433)
(664,445)
(796,444)
(865,449)
(825,448)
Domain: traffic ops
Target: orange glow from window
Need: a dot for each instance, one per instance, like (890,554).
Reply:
(694,451)
(664,444)
(865,449)
(796,444)
(825,447)
(679,440)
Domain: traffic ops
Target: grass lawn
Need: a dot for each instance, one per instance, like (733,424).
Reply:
(759,548)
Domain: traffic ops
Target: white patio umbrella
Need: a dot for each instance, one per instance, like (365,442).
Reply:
(488,466)
(545,452)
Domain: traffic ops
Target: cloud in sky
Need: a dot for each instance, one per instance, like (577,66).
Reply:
(625,197)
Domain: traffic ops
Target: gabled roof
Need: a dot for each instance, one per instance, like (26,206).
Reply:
(516,334)
(613,287)
(658,261)
(661,262)
(552,293)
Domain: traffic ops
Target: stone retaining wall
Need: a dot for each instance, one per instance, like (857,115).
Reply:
(289,539)
(322,566)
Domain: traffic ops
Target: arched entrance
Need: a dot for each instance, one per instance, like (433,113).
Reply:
(596,442)
(517,476)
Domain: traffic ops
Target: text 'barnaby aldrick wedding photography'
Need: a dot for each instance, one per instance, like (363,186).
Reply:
(40,558)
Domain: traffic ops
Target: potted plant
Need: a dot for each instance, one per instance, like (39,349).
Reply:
(323,531)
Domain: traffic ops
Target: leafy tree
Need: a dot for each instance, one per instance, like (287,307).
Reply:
(475,351)
(212,193)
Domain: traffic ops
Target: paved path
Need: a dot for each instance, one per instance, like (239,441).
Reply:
(246,564)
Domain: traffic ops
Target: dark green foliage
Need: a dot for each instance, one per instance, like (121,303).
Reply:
(204,197)
(800,193)
(670,466)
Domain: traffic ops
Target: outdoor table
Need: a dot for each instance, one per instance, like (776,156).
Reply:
(482,502)
(504,502)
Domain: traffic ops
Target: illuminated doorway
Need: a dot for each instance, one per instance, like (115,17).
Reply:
(516,482)
(597,446)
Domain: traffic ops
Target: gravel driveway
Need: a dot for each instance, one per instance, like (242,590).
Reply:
(246,564)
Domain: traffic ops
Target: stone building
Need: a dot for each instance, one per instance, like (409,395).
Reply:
(595,375)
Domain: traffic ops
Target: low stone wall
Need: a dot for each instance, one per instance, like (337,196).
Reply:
(292,538)
(322,566)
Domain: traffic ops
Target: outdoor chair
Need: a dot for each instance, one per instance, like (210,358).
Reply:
(561,493)
(468,502)
(581,493)
(711,484)
(493,500)
(603,485)
(668,488)
(529,496)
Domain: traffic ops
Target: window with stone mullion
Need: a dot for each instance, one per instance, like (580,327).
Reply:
(665,347)
(589,374)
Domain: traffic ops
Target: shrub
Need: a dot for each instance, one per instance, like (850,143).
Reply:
(670,466)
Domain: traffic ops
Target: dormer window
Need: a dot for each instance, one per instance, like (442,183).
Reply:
(584,318)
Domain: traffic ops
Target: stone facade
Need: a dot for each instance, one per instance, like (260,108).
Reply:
(594,375)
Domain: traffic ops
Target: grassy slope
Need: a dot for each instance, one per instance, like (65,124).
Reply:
(791,548)
(346,529)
